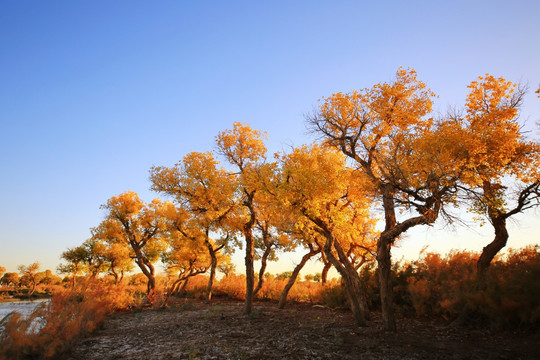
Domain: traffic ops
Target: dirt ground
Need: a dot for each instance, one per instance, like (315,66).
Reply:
(220,330)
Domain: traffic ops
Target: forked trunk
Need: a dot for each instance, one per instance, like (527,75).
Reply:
(352,283)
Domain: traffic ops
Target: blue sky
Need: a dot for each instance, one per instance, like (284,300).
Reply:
(94,93)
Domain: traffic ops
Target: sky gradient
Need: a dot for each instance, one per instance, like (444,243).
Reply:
(94,93)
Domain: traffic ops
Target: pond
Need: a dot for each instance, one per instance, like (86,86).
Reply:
(24,307)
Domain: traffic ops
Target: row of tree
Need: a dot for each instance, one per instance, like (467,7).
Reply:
(29,277)
(382,158)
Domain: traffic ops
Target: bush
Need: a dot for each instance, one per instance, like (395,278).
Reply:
(447,287)
(53,326)
(333,295)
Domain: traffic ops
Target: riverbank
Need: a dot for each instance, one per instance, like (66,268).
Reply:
(17,299)
(220,330)
(23,307)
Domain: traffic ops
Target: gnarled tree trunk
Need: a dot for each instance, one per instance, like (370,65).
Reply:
(352,282)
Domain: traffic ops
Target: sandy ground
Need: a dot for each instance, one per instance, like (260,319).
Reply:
(220,330)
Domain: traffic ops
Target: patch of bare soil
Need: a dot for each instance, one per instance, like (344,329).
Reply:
(221,330)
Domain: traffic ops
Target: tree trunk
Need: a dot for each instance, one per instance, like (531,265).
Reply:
(324,274)
(148,271)
(182,289)
(293,277)
(489,252)
(212,271)
(357,291)
(250,252)
(115,275)
(32,287)
(384,267)
(351,286)
(384,261)
(250,272)
(264,258)
(174,287)
(146,267)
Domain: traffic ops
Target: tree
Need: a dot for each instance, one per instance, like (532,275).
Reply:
(2,271)
(226,267)
(138,279)
(244,149)
(75,262)
(206,192)
(117,260)
(94,261)
(140,227)
(48,278)
(332,199)
(306,237)
(274,225)
(187,257)
(10,279)
(496,155)
(387,132)
(30,275)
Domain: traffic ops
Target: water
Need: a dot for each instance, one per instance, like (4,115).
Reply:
(24,308)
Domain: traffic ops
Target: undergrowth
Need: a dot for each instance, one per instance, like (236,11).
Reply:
(54,325)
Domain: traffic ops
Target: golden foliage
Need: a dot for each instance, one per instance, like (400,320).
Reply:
(331,196)
(242,146)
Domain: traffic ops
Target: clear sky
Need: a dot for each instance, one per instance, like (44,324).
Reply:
(93,93)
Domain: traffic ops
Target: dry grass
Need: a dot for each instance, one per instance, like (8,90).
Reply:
(54,325)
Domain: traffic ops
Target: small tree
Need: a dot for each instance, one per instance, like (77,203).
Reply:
(118,261)
(76,263)
(274,225)
(496,156)
(226,267)
(186,257)
(244,149)
(332,201)
(204,194)
(30,275)
(138,226)
(10,279)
